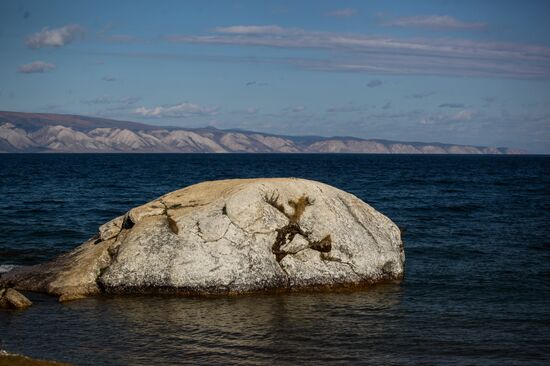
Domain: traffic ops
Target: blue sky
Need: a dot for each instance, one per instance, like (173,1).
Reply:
(468,72)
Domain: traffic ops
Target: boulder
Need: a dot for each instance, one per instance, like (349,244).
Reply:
(12,299)
(229,237)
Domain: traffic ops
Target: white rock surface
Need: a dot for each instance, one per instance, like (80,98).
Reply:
(230,236)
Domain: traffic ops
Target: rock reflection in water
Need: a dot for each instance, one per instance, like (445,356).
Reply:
(256,329)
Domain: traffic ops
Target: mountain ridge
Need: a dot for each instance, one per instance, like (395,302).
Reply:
(47,132)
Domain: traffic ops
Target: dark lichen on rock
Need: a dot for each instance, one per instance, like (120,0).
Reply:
(287,233)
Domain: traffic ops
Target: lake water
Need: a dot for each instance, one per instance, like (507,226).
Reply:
(476,288)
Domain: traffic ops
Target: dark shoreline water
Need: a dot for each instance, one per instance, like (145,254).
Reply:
(476,291)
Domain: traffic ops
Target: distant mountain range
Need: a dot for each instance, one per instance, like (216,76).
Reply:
(41,132)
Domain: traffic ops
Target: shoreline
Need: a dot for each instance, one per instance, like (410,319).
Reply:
(14,359)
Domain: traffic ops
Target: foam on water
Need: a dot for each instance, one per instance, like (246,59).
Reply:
(7,267)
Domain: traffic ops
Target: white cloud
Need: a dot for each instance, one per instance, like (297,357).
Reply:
(434,21)
(56,37)
(364,53)
(182,110)
(343,13)
(36,67)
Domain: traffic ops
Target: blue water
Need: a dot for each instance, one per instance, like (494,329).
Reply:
(476,289)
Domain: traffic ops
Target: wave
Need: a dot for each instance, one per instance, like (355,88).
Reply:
(7,267)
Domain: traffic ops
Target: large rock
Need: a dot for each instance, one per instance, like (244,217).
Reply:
(229,236)
(12,299)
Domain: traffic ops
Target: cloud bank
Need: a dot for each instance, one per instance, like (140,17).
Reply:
(365,53)
(182,110)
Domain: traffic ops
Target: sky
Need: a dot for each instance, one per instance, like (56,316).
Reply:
(463,72)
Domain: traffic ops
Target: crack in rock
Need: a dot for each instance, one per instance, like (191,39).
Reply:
(327,257)
(354,215)
(201,234)
(96,238)
(180,205)
(112,252)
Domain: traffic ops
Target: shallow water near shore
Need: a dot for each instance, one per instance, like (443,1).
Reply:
(476,288)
